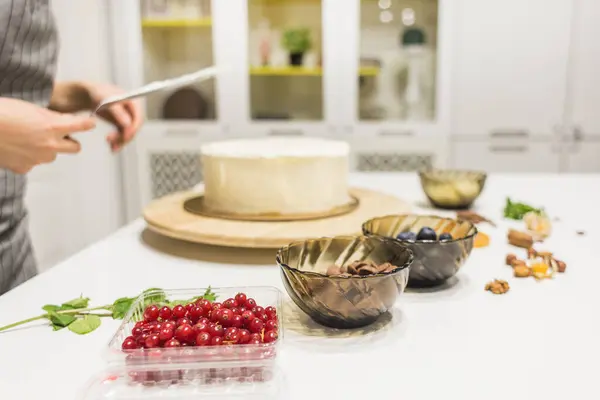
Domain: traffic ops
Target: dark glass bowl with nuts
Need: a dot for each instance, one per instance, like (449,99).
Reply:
(345,281)
(440,245)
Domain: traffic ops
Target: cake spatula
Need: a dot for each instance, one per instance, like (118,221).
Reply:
(187,79)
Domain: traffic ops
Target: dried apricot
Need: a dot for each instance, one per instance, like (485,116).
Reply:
(481,240)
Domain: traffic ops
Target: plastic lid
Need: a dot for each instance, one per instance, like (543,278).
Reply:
(185,382)
(413,36)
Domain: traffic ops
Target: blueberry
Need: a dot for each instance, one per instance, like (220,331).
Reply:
(426,233)
(407,236)
(445,236)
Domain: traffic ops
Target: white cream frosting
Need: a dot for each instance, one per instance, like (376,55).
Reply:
(272,147)
(275,175)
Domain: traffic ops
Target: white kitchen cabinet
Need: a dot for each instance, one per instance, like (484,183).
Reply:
(509,65)
(584,85)
(583,156)
(507,155)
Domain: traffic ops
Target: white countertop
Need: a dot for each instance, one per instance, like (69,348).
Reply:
(540,340)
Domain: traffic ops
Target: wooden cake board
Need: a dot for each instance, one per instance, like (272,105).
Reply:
(167,217)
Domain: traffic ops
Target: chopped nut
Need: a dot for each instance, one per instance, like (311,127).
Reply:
(367,270)
(561,266)
(518,263)
(352,269)
(520,239)
(510,258)
(385,266)
(531,253)
(522,271)
(473,217)
(544,254)
(497,286)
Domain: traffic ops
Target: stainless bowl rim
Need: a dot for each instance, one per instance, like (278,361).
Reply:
(382,239)
(366,232)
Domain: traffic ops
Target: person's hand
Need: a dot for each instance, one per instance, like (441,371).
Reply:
(126,115)
(32,135)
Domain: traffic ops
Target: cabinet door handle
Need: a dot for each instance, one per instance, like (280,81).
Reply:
(578,135)
(286,132)
(508,149)
(395,133)
(510,133)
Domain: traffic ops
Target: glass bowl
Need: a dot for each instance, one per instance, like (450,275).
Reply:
(343,301)
(452,189)
(434,261)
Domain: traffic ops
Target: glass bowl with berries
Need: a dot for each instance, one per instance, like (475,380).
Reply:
(344,281)
(213,326)
(440,245)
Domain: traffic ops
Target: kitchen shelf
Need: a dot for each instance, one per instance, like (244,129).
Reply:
(302,71)
(177,23)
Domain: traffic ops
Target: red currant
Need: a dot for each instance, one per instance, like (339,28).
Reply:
(200,327)
(225,316)
(172,343)
(165,313)
(271,312)
(254,341)
(241,298)
(248,316)
(185,344)
(184,321)
(263,316)
(271,325)
(165,334)
(152,341)
(178,312)
(255,336)
(231,335)
(250,304)
(216,305)
(256,325)
(203,339)
(136,331)
(236,310)
(237,321)
(149,327)
(216,330)
(129,344)
(195,313)
(140,324)
(189,306)
(141,340)
(205,305)
(184,332)
(216,341)
(157,327)
(151,313)
(169,324)
(244,336)
(230,303)
(242,309)
(203,320)
(215,315)
(270,336)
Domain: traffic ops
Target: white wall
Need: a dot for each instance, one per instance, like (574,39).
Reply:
(78,199)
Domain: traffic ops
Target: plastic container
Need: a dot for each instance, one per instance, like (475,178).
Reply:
(239,363)
(199,382)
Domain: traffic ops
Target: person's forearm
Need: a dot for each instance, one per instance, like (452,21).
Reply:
(70,97)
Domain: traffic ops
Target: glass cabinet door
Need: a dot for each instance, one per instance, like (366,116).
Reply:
(177,38)
(285,71)
(397,60)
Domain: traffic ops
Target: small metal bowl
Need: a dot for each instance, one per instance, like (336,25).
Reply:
(452,189)
(435,261)
(339,301)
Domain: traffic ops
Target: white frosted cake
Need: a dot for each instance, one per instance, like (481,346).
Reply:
(283,176)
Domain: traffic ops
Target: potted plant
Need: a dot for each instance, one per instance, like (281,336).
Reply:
(296,42)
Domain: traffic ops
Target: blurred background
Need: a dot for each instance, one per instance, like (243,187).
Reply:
(494,85)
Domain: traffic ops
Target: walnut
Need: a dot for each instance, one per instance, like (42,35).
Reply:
(518,263)
(510,258)
(561,266)
(520,239)
(522,271)
(497,286)
(367,270)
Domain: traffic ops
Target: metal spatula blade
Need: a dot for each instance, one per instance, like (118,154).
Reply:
(157,86)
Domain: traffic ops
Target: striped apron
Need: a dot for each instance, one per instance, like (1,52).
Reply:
(28,54)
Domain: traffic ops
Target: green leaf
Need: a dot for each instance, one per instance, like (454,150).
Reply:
(121,306)
(61,320)
(80,302)
(50,307)
(209,295)
(85,325)
(516,211)
(57,328)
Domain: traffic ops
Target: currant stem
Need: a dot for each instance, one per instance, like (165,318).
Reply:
(77,311)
